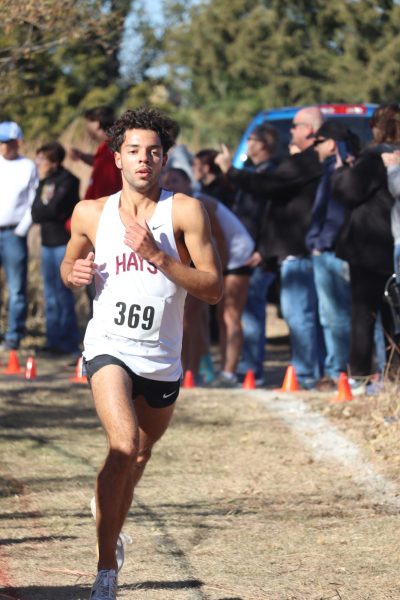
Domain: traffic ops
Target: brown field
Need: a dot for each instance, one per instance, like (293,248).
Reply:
(232,506)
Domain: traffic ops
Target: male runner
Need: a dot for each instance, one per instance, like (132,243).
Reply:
(145,240)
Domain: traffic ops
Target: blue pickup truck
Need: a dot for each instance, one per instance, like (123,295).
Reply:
(355,116)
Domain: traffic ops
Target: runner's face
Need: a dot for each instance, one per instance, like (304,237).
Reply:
(141,159)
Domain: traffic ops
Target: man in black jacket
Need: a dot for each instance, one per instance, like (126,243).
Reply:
(55,199)
(209,177)
(291,188)
(261,150)
(366,241)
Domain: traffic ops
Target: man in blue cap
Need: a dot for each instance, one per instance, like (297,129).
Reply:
(18,180)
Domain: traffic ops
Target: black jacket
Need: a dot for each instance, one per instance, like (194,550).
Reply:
(291,189)
(221,189)
(54,203)
(366,239)
(249,207)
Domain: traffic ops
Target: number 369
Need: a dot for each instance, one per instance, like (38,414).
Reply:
(135,316)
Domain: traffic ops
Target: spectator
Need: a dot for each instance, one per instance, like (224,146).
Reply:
(179,157)
(210,178)
(291,188)
(55,199)
(331,274)
(235,248)
(249,207)
(391,161)
(366,241)
(106,177)
(18,179)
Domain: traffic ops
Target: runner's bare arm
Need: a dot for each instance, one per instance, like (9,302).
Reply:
(191,222)
(77,268)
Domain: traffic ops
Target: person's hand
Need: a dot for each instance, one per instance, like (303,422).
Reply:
(339,160)
(224,159)
(140,239)
(254,260)
(74,154)
(391,159)
(293,149)
(83,271)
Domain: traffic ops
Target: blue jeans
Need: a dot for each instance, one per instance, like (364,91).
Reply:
(253,323)
(380,344)
(14,259)
(397,262)
(332,283)
(300,310)
(61,326)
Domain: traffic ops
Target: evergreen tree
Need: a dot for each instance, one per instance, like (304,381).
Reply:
(229,59)
(52,55)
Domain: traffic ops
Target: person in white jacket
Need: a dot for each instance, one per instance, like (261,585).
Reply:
(18,181)
(235,247)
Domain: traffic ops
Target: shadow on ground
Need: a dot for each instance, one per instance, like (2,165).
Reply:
(79,592)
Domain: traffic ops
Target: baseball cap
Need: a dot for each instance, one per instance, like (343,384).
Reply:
(334,130)
(9,130)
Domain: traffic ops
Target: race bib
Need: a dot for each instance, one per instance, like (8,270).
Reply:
(137,320)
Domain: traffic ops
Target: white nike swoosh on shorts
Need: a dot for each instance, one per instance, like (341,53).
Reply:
(168,395)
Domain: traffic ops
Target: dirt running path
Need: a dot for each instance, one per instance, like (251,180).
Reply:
(234,505)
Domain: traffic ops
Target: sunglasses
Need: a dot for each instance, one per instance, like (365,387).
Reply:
(294,124)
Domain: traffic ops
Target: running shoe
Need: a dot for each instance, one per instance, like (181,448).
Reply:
(105,586)
(325,384)
(225,381)
(123,539)
(357,385)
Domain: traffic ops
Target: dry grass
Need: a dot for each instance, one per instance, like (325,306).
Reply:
(232,507)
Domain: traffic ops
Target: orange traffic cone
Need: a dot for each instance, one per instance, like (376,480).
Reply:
(30,370)
(249,382)
(290,383)
(80,376)
(344,390)
(188,380)
(13,367)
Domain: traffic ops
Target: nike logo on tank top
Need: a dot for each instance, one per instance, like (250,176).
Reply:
(137,311)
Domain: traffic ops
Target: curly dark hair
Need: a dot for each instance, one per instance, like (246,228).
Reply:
(144,117)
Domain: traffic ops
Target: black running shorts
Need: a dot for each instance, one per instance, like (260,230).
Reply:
(158,394)
(245,270)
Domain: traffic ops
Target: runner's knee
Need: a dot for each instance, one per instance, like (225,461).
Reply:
(123,454)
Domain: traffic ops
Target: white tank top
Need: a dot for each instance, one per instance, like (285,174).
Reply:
(239,243)
(137,311)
